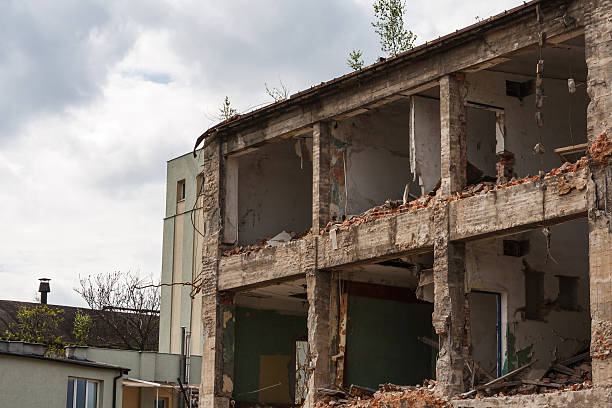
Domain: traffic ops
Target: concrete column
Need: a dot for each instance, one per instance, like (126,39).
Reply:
(217,349)
(453,92)
(319,284)
(321,161)
(449,307)
(598,51)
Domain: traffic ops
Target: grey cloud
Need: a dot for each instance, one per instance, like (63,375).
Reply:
(55,54)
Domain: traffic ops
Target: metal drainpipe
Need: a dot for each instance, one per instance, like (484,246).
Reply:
(182,363)
(115,388)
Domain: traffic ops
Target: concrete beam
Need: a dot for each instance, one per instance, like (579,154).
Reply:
(377,240)
(520,207)
(269,264)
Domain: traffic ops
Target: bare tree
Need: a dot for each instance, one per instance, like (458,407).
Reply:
(278,94)
(128,304)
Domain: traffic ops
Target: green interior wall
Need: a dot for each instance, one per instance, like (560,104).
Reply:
(262,332)
(382,342)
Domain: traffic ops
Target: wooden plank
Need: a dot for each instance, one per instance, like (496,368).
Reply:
(541,383)
(498,379)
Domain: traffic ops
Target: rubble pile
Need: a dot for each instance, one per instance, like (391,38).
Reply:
(262,243)
(387,396)
(389,208)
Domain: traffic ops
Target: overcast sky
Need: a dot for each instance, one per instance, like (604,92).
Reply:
(95,96)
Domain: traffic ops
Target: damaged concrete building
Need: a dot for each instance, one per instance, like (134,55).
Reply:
(443,214)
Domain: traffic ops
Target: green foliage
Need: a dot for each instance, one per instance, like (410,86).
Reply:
(226,110)
(37,324)
(82,327)
(354,60)
(389,26)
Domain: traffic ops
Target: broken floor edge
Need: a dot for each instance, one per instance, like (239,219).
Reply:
(589,397)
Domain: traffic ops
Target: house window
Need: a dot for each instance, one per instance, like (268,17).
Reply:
(516,248)
(180,190)
(200,182)
(161,403)
(82,393)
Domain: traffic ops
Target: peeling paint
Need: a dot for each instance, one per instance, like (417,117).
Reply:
(228,384)
(227,315)
(515,358)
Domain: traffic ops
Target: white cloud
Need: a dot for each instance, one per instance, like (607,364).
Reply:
(96,99)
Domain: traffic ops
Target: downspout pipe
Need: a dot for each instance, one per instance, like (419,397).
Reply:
(121,372)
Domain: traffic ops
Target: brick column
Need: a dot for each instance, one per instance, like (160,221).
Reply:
(598,51)
(449,257)
(449,306)
(217,348)
(453,133)
(319,284)
(321,161)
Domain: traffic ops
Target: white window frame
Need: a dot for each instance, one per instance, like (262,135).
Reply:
(87,381)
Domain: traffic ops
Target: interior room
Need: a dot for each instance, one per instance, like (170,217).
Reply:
(269,190)
(389,333)
(371,159)
(524,289)
(270,345)
(527,116)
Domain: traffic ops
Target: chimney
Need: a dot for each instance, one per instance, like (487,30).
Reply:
(44,288)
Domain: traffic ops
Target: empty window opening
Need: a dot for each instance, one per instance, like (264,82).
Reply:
(180,190)
(568,293)
(516,248)
(200,184)
(520,90)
